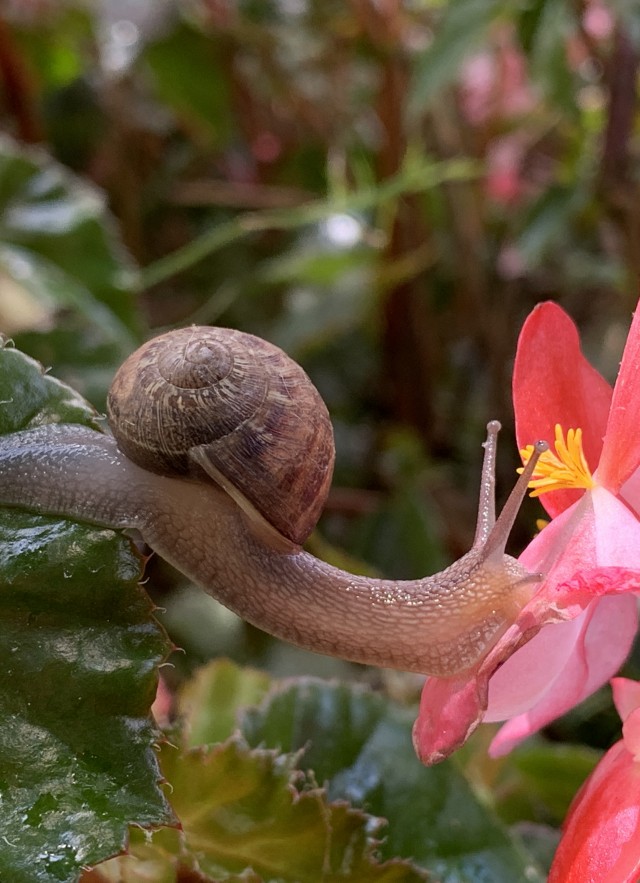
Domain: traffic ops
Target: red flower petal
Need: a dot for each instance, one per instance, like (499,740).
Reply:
(554,383)
(601,840)
(631,734)
(450,710)
(626,696)
(621,451)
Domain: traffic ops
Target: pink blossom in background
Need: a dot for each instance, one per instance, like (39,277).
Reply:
(598,20)
(578,628)
(495,85)
(601,834)
(496,91)
(504,181)
(495,88)
(162,704)
(598,24)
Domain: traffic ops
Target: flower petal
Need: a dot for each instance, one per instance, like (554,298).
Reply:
(626,696)
(554,383)
(566,545)
(599,641)
(567,641)
(617,531)
(594,547)
(621,449)
(537,669)
(450,710)
(601,839)
(630,492)
(631,734)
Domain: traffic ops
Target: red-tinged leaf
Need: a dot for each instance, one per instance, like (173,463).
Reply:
(359,743)
(250,816)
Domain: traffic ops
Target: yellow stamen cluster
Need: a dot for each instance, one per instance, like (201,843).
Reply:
(566,468)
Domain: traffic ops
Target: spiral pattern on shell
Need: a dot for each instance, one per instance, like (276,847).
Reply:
(265,426)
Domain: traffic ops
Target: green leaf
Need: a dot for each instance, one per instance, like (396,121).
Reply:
(548,33)
(251,809)
(550,777)
(211,701)
(250,815)
(189,76)
(80,650)
(54,45)
(29,398)
(461,31)
(68,285)
(360,746)
(400,538)
(158,857)
(546,223)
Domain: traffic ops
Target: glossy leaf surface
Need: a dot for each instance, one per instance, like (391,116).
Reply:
(67,281)
(359,744)
(80,651)
(256,810)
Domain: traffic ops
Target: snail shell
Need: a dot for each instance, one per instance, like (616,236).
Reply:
(230,403)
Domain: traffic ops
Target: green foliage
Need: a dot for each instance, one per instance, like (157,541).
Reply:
(80,650)
(250,815)
(461,31)
(244,809)
(223,148)
(360,745)
(210,702)
(188,76)
(550,776)
(63,270)
(300,786)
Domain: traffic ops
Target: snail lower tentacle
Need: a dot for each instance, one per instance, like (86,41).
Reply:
(439,625)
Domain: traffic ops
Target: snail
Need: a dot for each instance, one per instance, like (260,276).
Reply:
(221,458)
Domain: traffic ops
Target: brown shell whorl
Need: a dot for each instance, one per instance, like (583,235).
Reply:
(265,425)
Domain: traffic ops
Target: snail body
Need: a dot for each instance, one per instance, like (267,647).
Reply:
(228,492)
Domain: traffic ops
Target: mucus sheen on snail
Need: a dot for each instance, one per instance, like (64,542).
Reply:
(221,457)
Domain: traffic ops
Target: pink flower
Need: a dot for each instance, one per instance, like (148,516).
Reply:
(598,21)
(578,628)
(504,180)
(494,84)
(495,88)
(601,839)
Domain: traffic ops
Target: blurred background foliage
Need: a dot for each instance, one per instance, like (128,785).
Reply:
(385,189)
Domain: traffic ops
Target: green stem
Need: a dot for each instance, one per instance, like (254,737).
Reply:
(411,179)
